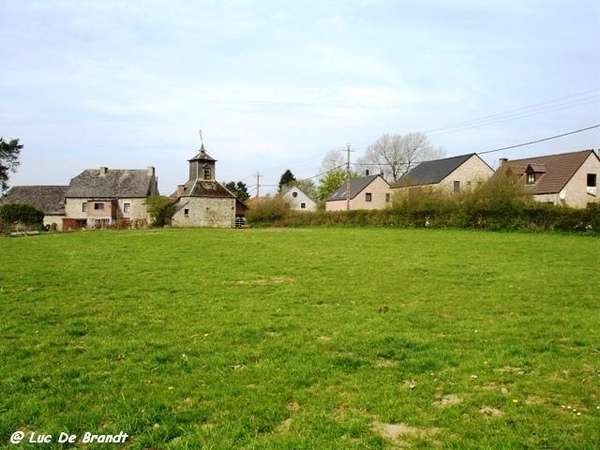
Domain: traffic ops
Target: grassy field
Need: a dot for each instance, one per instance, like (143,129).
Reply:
(307,338)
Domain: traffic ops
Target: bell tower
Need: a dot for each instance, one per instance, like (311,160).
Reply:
(202,166)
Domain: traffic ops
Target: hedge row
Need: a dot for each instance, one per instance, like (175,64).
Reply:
(509,216)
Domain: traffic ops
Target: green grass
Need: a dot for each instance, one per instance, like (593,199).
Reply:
(308,338)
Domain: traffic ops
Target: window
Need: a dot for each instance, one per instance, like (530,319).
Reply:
(206,172)
(387,198)
(294,194)
(126,208)
(186,213)
(302,205)
(457,186)
(368,197)
(531,178)
(591,180)
(84,207)
(98,206)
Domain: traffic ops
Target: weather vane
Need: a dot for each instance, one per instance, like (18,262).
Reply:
(201,140)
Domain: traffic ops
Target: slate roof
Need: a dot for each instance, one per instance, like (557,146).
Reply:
(115,183)
(356,187)
(49,199)
(202,156)
(556,170)
(204,188)
(432,172)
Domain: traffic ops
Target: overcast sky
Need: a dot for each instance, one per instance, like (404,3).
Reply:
(277,84)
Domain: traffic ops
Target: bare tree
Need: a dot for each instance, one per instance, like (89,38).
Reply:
(334,159)
(394,155)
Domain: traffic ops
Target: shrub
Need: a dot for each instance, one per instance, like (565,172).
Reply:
(160,209)
(268,212)
(19,213)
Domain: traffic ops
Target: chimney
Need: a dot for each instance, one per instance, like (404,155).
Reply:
(502,161)
(150,171)
(103,171)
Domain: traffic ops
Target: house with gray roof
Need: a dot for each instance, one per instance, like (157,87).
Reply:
(204,202)
(453,174)
(564,179)
(48,199)
(104,197)
(369,192)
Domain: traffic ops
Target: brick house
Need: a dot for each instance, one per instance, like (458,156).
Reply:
(204,202)
(564,179)
(453,174)
(369,192)
(106,197)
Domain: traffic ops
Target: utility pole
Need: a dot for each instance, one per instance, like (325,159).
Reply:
(258,175)
(348,179)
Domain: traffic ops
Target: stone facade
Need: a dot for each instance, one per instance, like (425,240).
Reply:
(204,202)
(104,197)
(205,212)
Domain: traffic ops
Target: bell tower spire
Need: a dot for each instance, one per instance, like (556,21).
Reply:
(202,166)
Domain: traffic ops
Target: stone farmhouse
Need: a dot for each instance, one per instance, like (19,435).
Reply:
(48,199)
(104,197)
(454,174)
(369,192)
(204,202)
(564,179)
(298,199)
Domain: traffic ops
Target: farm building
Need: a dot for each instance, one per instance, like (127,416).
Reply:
(204,202)
(109,197)
(48,199)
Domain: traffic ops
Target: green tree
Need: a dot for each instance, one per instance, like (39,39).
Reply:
(330,182)
(239,189)
(286,178)
(9,160)
(161,210)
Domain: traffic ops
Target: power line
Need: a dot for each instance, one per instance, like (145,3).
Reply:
(540,140)
(522,112)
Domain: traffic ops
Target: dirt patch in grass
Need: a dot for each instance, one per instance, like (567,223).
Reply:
(448,400)
(491,412)
(265,281)
(284,427)
(382,362)
(396,431)
(510,369)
